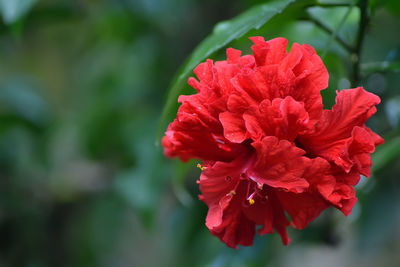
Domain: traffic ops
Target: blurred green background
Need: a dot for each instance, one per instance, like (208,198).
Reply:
(82,182)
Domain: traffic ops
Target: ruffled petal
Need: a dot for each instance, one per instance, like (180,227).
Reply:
(279,164)
(270,214)
(225,197)
(218,184)
(360,147)
(197,131)
(234,127)
(280,220)
(302,208)
(343,198)
(320,177)
(336,132)
(270,52)
(187,143)
(283,118)
(255,85)
(305,207)
(236,229)
(233,55)
(261,213)
(268,147)
(310,75)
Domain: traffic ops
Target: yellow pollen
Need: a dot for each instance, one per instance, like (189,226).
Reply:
(259,185)
(232,193)
(251,201)
(200,167)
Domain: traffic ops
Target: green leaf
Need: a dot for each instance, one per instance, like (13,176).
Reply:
(383,66)
(20,97)
(223,33)
(12,10)
(386,154)
(178,182)
(390,64)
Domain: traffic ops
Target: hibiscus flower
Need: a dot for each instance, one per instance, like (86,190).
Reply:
(267,146)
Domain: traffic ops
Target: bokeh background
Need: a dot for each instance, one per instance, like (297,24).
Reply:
(82,181)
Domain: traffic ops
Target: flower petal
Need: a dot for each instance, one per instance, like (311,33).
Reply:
(234,127)
(303,208)
(280,220)
(262,214)
(236,229)
(226,219)
(233,55)
(270,214)
(343,197)
(279,164)
(218,184)
(197,131)
(283,118)
(334,134)
(186,144)
(270,52)
(319,175)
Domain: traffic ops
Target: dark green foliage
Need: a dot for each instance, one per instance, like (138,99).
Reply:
(82,88)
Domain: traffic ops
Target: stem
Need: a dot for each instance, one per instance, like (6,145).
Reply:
(339,39)
(336,31)
(333,4)
(355,57)
(383,66)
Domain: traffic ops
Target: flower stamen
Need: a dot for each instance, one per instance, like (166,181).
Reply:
(231,193)
(250,199)
(200,167)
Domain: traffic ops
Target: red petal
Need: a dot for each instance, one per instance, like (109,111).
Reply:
(270,52)
(218,184)
(377,139)
(233,55)
(280,220)
(223,73)
(197,131)
(303,208)
(235,230)
(334,134)
(237,104)
(361,146)
(204,146)
(311,77)
(270,214)
(226,219)
(205,73)
(310,68)
(279,164)
(234,127)
(319,175)
(283,118)
(343,198)
(262,214)
(255,85)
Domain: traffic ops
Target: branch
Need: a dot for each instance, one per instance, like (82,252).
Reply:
(380,67)
(328,5)
(355,58)
(329,31)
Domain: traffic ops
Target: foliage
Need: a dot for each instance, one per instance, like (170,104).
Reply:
(82,86)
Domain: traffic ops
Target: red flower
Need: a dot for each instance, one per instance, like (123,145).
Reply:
(267,146)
